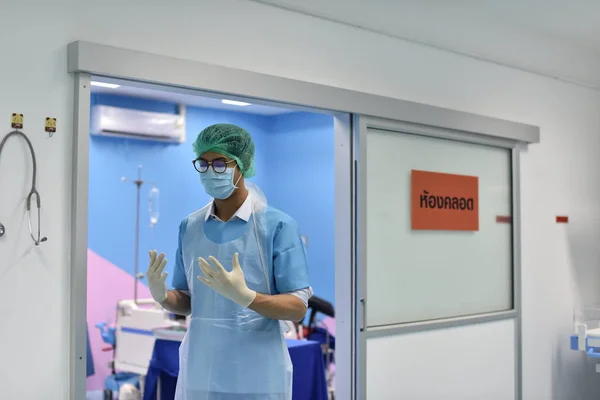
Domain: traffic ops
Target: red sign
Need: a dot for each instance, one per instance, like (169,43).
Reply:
(444,202)
(503,219)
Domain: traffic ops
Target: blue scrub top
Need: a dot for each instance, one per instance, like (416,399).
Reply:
(288,267)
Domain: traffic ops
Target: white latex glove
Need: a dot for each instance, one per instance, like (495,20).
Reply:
(156,277)
(229,284)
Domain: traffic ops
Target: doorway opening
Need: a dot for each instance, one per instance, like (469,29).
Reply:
(142,184)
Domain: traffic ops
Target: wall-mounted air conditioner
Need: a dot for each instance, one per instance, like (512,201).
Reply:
(134,124)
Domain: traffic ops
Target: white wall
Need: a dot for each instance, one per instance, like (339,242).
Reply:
(422,366)
(560,175)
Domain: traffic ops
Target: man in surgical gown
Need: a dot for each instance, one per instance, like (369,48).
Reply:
(240,269)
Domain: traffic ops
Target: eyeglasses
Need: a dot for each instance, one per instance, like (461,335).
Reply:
(219,165)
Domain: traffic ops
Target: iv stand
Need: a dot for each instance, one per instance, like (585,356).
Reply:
(136,274)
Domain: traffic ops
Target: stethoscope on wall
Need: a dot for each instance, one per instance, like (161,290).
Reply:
(37,239)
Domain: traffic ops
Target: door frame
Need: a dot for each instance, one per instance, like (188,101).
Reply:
(361,127)
(87,60)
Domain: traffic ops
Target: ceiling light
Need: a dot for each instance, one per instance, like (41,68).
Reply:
(235,103)
(105,85)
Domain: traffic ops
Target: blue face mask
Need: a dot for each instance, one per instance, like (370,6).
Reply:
(219,186)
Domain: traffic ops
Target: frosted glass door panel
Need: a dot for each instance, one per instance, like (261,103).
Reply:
(425,275)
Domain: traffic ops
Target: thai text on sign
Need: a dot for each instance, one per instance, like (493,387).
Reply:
(442,201)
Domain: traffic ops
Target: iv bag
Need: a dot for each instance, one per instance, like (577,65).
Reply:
(153,196)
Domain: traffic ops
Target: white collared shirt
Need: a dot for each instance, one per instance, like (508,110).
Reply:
(244,213)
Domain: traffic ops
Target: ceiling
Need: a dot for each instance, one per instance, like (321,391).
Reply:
(575,20)
(185,97)
(558,38)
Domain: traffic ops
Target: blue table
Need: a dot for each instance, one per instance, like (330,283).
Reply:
(307,358)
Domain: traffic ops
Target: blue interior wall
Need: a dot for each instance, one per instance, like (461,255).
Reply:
(301,183)
(294,157)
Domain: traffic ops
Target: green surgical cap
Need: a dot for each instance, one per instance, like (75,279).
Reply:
(231,141)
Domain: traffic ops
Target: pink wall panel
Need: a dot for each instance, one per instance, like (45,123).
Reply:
(106,285)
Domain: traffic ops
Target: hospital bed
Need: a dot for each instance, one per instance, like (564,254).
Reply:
(132,340)
(136,322)
(586,337)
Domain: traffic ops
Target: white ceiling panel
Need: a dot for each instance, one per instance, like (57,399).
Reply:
(556,38)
